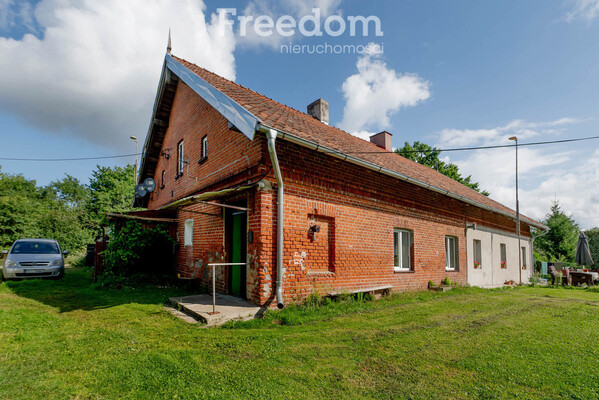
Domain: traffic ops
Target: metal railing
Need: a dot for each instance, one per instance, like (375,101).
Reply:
(214,265)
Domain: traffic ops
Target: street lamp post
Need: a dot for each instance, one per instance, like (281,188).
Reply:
(135,169)
(515,139)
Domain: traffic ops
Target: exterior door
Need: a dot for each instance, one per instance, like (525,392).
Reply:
(236,235)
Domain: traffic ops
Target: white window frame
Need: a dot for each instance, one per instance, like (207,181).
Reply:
(524,263)
(180,158)
(205,146)
(452,255)
(188,233)
(502,254)
(398,250)
(478,253)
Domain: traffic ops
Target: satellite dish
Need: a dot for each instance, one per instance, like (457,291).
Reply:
(149,185)
(140,190)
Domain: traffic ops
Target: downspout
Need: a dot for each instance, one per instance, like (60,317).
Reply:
(271,136)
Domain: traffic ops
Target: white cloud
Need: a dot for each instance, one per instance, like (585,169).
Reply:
(377,92)
(586,10)
(94,72)
(276,9)
(570,174)
(499,135)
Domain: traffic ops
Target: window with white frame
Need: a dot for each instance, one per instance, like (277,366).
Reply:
(188,233)
(205,146)
(402,242)
(180,159)
(162,179)
(451,253)
(524,263)
(503,255)
(477,253)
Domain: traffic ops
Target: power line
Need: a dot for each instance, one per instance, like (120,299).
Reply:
(68,159)
(499,146)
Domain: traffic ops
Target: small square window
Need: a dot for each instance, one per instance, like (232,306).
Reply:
(451,253)
(402,244)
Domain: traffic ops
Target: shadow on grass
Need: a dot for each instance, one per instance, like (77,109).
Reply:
(76,291)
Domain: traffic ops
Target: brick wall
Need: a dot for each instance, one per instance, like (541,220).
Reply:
(231,155)
(357,211)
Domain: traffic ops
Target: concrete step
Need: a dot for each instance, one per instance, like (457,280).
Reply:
(228,308)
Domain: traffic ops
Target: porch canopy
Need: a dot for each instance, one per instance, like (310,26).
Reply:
(206,197)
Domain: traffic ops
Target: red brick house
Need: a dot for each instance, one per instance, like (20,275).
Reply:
(308,207)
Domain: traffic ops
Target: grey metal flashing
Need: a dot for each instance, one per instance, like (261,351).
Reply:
(500,232)
(358,161)
(243,120)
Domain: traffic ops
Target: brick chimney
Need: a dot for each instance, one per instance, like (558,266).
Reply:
(383,140)
(319,110)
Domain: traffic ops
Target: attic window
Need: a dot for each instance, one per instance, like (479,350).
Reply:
(180,159)
(204,149)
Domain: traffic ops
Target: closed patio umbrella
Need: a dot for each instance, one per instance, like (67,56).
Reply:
(583,252)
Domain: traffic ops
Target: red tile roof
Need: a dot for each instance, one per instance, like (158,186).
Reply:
(289,120)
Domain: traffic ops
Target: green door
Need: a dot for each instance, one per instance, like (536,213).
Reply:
(236,253)
(237,248)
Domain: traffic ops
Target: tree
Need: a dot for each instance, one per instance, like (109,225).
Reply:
(429,156)
(559,244)
(19,208)
(66,218)
(593,236)
(111,190)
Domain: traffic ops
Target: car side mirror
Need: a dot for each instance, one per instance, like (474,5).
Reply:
(66,252)
(4,251)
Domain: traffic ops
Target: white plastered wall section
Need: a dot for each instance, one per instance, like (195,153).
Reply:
(490,274)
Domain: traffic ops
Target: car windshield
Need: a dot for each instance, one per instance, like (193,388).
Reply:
(35,248)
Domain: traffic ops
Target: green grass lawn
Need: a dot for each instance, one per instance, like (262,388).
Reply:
(68,340)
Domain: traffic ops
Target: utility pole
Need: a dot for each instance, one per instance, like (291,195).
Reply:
(514,138)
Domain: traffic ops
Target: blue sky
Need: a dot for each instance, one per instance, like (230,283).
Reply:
(78,79)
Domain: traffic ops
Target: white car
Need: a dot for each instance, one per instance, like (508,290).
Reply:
(34,258)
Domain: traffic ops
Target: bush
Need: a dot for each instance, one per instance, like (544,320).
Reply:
(135,253)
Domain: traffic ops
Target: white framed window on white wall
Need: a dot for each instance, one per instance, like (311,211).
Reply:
(451,253)
(402,249)
(503,255)
(188,233)
(524,261)
(477,253)
(180,158)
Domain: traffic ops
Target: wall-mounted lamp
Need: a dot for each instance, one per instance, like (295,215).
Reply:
(166,153)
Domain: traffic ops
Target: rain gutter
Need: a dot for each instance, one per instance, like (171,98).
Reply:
(354,160)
